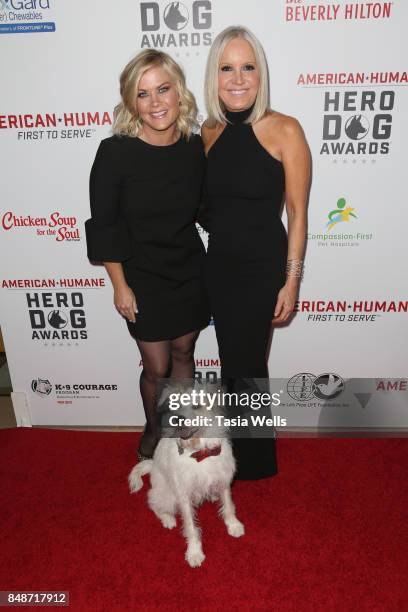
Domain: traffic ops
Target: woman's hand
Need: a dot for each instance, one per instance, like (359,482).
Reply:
(285,303)
(125,302)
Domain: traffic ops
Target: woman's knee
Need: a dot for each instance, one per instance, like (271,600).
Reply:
(182,353)
(152,372)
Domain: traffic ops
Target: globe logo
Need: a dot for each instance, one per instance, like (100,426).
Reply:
(328,386)
(301,387)
(57,319)
(175,16)
(357,127)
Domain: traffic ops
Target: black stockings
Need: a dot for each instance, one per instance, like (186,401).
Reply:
(174,358)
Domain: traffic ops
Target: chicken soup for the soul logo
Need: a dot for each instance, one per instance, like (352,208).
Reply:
(26,16)
(58,226)
(340,228)
(179,26)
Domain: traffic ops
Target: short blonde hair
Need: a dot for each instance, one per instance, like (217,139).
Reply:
(126,119)
(215,108)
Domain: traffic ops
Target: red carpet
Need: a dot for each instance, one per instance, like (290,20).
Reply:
(329,533)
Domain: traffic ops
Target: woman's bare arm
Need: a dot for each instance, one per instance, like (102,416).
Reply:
(284,138)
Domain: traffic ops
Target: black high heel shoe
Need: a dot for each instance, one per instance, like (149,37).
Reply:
(147,445)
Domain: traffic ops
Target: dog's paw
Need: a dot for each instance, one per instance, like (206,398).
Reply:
(194,556)
(168,521)
(135,481)
(135,484)
(235,528)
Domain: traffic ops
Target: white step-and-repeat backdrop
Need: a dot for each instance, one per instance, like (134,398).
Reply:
(339,67)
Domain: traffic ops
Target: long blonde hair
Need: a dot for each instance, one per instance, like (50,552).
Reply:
(125,116)
(215,108)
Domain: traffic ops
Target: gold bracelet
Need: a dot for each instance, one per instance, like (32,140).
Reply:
(294,267)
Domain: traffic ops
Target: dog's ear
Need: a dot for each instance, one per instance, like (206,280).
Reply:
(163,393)
(166,388)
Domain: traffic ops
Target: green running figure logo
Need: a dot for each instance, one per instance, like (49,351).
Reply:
(340,214)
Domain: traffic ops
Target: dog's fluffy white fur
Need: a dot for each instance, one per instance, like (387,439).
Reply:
(179,484)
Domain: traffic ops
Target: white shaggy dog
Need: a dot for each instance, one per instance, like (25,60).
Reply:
(185,471)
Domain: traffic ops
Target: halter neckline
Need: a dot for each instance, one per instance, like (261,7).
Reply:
(237,117)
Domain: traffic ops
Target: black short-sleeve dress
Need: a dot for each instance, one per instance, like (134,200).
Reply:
(144,200)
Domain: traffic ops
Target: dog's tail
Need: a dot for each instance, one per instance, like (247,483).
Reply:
(135,476)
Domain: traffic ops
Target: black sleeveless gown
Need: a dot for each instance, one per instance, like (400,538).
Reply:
(245,268)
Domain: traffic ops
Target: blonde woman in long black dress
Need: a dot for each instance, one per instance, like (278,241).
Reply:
(145,188)
(256,158)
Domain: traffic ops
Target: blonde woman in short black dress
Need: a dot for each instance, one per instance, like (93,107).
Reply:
(145,189)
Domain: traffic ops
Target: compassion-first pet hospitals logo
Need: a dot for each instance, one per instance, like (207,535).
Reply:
(342,226)
(25,16)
